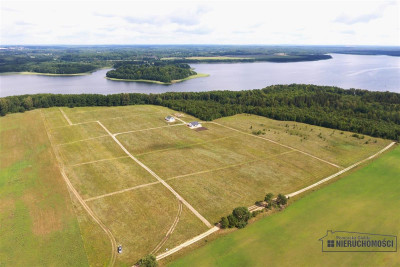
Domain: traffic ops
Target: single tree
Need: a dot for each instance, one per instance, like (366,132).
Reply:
(148,261)
(242,215)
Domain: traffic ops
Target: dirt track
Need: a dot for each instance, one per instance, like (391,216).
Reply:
(78,197)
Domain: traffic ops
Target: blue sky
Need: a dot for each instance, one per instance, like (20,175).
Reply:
(201,22)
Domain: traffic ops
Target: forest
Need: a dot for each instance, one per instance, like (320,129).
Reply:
(78,59)
(158,71)
(361,111)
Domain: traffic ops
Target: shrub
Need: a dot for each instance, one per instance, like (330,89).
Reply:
(281,200)
(224,223)
(148,261)
(268,197)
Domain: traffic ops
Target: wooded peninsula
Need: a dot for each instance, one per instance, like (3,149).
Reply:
(163,72)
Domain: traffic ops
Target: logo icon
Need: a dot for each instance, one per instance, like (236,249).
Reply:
(342,241)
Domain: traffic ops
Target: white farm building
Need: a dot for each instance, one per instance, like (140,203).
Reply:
(194,124)
(170,119)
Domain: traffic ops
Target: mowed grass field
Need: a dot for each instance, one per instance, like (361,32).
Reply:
(214,170)
(366,201)
(38,226)
(338,147)
(113,185)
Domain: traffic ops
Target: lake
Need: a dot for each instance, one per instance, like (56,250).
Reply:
(376,73)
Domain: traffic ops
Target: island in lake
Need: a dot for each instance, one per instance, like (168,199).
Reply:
(154,72)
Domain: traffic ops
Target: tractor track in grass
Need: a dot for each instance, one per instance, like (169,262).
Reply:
(170,231)
(78,197)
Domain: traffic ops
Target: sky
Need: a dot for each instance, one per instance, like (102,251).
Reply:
(201,22)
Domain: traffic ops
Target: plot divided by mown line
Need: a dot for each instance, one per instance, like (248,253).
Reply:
(121,191)
(185,146)
(82,140)
(340,172)
(65,116)
(195,212)
(272,141)
(230,165)
(255,207)
(79,198)
(73,124)
(95,161)
(148,129)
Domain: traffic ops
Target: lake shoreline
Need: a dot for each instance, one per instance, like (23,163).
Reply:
(373,73)
(199,75)
(51,74)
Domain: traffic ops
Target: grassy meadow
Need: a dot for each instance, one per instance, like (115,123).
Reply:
(215,170)
(366,201)
(335,146)
(38,224)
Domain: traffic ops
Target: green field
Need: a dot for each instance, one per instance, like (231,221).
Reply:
(214,170)
(366,201)
(35,208)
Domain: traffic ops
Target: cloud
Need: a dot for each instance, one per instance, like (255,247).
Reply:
(8,9)
(184,20)
(137,20)
(365,18)
(23,23)
(104,15)
(348,32)
(196,30)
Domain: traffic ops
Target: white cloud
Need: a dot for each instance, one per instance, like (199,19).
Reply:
(185,22)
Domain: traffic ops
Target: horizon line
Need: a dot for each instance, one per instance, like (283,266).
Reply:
(210,44)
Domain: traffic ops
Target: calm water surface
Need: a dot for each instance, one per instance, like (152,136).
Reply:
(376,73)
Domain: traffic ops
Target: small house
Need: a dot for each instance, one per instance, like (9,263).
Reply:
(194,124)
(170,119)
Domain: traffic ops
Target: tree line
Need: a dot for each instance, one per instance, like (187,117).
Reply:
(361,111)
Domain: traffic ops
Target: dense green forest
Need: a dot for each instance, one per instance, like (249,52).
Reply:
(56,59)
(159,71)
(255,58)
(361,111)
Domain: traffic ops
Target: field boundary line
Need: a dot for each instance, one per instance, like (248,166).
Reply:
(195,212)
(65,116)
(120,191)
(82,140)
(170,230)
(94,161)
(102,108)
(133,116)
(74,124)
(254,208)
(230,166)
(190,145)
(272,141)
(148,129)
(79,198)
(340,172)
